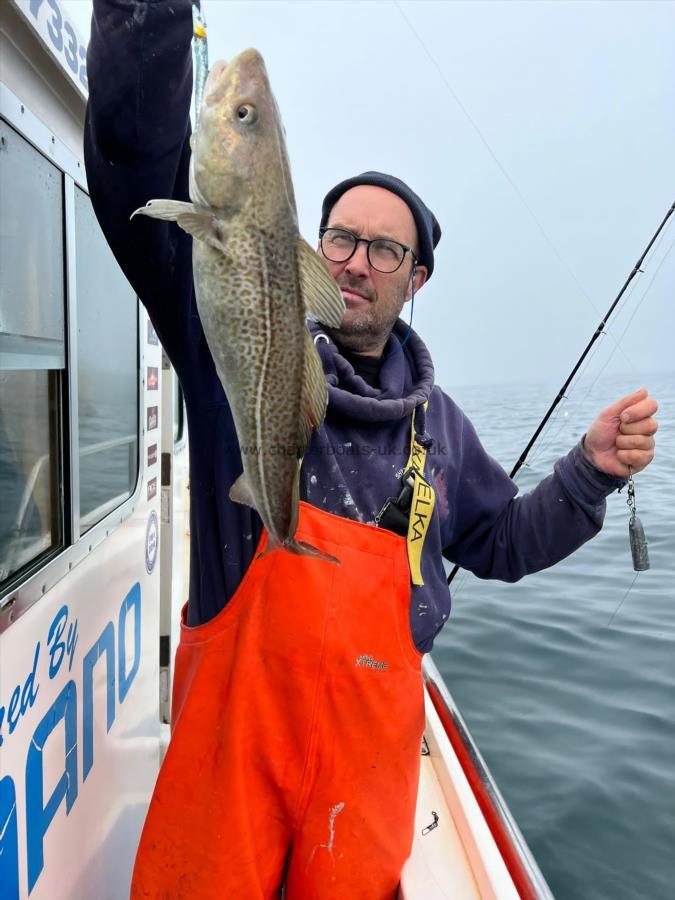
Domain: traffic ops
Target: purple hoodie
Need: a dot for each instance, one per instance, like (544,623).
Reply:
(136,149)
(355,461)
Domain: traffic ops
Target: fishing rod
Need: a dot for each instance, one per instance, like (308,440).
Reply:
(596,334)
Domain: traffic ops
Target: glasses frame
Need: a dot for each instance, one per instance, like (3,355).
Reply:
(360,240)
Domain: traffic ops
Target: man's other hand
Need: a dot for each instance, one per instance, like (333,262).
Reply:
(623,435)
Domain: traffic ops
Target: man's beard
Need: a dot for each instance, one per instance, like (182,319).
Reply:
(371,328)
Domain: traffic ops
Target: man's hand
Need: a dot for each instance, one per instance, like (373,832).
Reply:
(623,435)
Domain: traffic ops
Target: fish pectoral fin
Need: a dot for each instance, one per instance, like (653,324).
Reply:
(203,226)
(167,210)
(314,397)
(322,296)
(240,492)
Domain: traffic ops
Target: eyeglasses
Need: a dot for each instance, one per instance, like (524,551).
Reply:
(383,254)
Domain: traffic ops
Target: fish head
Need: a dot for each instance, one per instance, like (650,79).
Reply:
(239,155)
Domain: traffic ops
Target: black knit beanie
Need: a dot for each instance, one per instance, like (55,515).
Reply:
(428,229)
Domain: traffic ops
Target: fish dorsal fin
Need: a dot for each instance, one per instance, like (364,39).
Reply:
(203,226)
(240,492)
(314,398)
(323,298)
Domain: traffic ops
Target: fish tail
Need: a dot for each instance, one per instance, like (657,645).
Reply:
(301,548)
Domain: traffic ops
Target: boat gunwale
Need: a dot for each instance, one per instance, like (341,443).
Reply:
(520,863)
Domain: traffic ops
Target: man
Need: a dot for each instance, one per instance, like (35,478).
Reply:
(297,710)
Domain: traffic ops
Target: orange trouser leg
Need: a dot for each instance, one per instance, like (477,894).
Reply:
(216,828)
(353,847)
(298,718)
(354,828)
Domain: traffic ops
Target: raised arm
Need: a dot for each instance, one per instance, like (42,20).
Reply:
(495,534)
(137,148)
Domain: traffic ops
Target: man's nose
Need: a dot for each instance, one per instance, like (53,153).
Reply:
(358,263)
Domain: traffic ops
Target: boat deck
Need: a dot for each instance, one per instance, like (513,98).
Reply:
(466,843)
(454,854)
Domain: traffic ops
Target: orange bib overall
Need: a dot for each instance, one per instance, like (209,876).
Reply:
(297,724)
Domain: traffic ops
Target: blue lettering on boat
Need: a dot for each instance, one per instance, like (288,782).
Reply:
(40,812)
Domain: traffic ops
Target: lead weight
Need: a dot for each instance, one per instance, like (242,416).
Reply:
(638,545)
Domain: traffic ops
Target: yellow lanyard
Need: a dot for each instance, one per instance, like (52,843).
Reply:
(421,508)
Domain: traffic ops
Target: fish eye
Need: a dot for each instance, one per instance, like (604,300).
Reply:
(247,113)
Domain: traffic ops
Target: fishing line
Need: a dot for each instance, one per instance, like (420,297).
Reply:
(648,288)
(580,402)
(622,601)
(551,436)
(572,404)
(634,313)
(499,165)
(597,333)
(460,584)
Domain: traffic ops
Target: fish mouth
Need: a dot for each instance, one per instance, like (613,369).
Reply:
(248,65)
(250,57)
(244,74)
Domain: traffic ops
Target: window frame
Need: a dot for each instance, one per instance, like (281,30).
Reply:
(20,593)
(181,439)
(72,341)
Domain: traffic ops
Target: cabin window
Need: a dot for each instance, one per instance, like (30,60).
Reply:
(107,346)
(32,353)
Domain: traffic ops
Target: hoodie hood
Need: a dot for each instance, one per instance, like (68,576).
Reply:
(406,378)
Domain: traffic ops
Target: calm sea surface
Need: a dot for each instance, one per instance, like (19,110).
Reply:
(576,719)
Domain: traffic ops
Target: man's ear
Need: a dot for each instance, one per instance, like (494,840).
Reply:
(418,278)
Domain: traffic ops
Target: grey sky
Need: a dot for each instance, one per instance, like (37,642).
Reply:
(576,102)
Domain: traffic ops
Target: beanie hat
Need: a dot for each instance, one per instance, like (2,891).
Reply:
(428,229)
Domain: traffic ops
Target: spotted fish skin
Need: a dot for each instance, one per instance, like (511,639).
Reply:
(258,347)
(256,282)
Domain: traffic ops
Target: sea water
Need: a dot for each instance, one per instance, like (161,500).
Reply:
(575,716)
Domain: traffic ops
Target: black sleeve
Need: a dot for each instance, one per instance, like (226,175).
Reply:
(136,147)
(136,141)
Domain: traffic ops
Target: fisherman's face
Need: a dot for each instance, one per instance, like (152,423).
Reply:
(374,300)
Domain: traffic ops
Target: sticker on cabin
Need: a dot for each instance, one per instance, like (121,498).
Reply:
(61,38)
(152,488)
(152,455)
(153,417)
(153,378)
(151,537)
(152,334)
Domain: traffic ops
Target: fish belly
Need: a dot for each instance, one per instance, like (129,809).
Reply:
(253,320)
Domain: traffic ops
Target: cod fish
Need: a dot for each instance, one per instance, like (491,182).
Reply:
(256,282)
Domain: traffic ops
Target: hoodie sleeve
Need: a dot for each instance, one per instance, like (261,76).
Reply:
(136,147)
(495,534)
